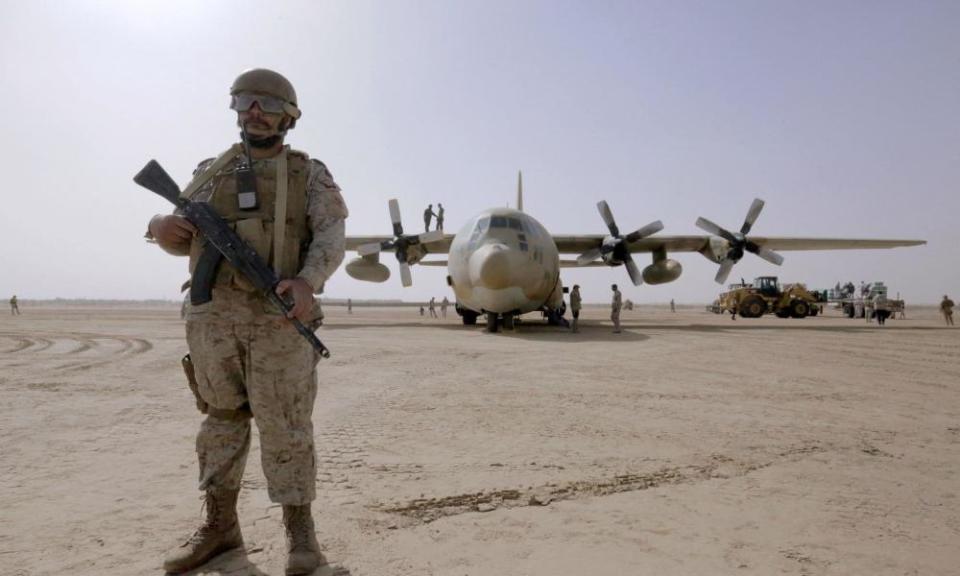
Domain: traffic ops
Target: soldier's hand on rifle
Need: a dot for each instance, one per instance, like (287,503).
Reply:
(302,293)
(172,232)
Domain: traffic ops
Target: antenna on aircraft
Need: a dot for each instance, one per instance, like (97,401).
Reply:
(520,190)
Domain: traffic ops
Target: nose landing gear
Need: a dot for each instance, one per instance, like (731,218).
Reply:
(495,320)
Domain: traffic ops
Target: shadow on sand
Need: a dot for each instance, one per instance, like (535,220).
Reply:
(237,563)
(594,330)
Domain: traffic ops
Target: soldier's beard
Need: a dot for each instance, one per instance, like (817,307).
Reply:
(264,142)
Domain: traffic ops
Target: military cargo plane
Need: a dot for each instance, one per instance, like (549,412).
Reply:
(504,263)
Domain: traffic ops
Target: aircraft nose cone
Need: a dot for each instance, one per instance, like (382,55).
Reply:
(490,267)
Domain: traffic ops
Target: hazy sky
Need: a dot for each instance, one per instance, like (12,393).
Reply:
(841,115)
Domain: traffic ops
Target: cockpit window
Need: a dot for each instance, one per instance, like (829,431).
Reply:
(498,222)
(483,224)
(514,224)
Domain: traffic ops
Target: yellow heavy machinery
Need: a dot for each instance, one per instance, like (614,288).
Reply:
(766,296)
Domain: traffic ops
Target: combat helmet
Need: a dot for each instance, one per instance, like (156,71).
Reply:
(261,81)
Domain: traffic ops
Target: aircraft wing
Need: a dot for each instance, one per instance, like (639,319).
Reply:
(441,246)
(578,244)
(831,243)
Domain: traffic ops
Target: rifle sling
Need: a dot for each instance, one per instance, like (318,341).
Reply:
(200,179)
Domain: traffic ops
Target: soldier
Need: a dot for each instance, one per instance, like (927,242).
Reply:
(433,307)
(443,306)
(881,307)
(615,305)
(439,217)
(248,360)
(946,307)
(673,306)
(575,304)
(14,307)
(427,217)
(349,306)
(421,310)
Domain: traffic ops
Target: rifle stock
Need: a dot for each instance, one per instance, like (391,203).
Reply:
(154,178)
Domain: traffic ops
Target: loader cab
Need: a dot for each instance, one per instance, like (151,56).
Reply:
(767,285)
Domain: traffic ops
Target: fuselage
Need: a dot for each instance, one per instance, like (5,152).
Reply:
(504,261)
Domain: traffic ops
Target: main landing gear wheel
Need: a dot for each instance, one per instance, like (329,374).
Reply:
(491,322)
(508,322)
(469,318)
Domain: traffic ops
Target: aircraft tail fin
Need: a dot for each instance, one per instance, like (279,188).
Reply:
(520,190)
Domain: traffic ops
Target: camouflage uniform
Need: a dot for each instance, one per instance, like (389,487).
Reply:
(946,307)
(615,305)
(248,358)
(575,305)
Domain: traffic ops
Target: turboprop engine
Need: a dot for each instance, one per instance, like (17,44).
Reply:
(735,243)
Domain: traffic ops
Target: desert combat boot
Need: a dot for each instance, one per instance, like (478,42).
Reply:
(219,532)
(303,551)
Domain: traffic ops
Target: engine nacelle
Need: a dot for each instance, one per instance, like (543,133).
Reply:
(716,249)
(367,270)
(662,271)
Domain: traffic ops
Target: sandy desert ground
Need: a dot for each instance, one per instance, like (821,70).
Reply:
(689,444)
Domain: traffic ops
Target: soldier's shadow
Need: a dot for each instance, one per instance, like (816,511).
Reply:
(237,563)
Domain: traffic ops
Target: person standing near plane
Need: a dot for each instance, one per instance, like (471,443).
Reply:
(440,217)
(616,304)
(443,306)
(946,308)
(247,360)
(14,307)
(673,306)
(575,304)
(881,308)
(433,307)
(349,306)
(427,217)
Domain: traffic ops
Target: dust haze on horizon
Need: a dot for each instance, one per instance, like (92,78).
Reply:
(841,116)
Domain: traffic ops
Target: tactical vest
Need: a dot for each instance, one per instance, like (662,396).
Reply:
(256,226)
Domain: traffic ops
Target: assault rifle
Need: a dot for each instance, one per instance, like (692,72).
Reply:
(226,242)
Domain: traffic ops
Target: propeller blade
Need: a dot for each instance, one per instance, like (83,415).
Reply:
(607,216)
(633,271)
(395,217)
(708,226)
(770,256)
(752,214)
(405,278)
(368,249)
(588,257)
(648,230)
(724,271)
(431,236)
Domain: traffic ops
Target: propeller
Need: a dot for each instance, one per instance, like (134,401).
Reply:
(739,242)
(615,248)
(400,243)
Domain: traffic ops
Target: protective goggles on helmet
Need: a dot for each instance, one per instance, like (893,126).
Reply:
(244,100)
